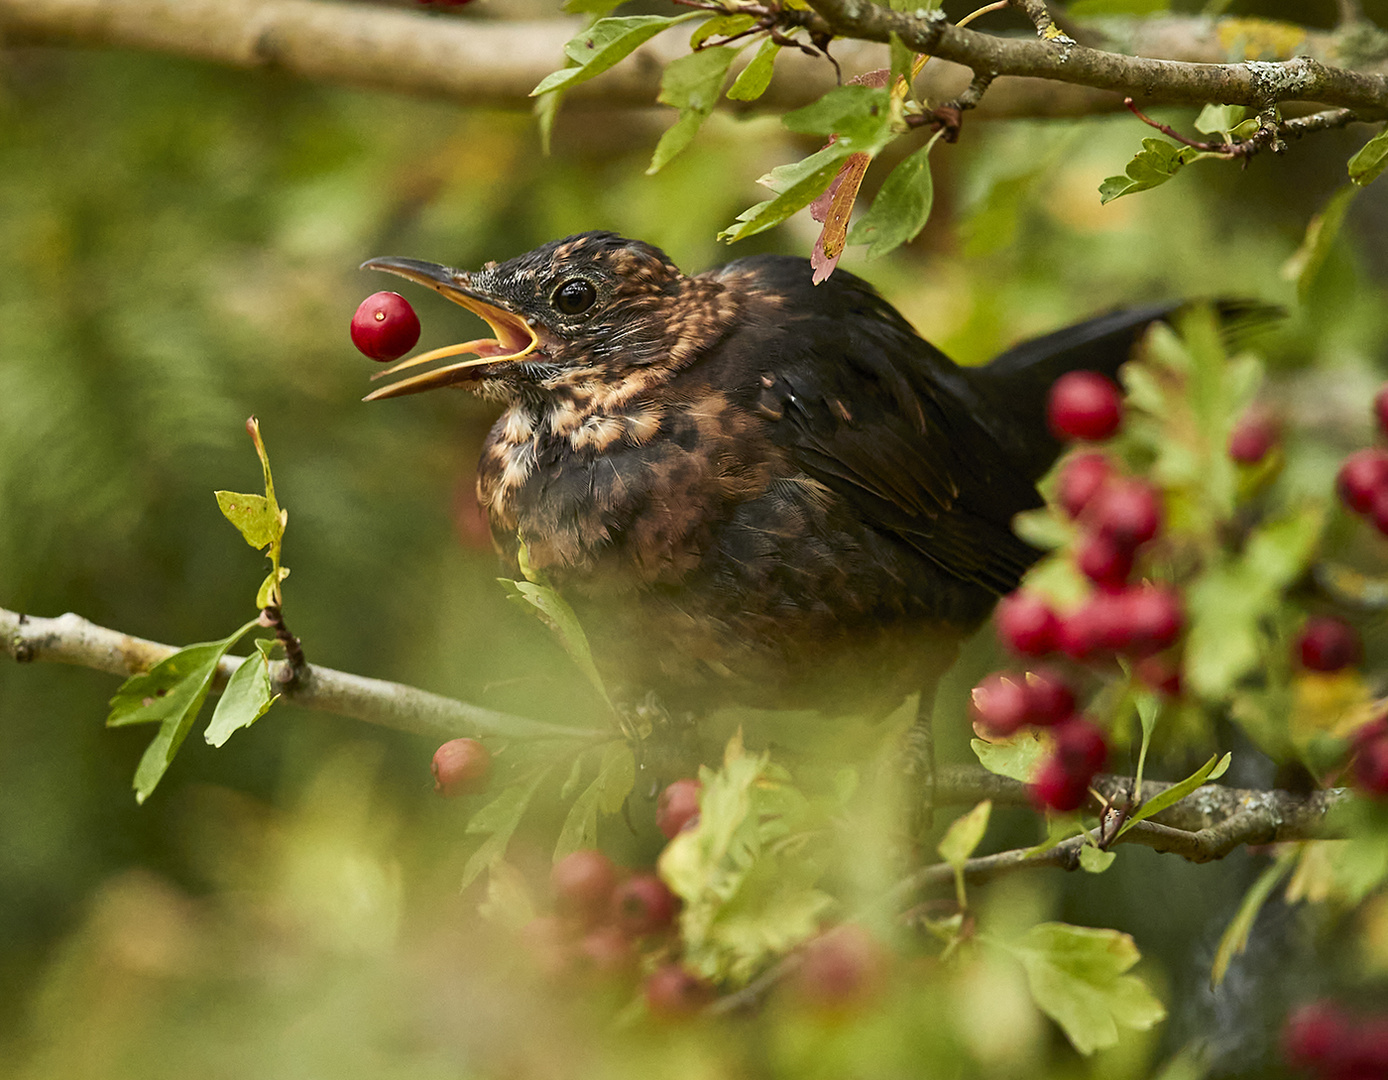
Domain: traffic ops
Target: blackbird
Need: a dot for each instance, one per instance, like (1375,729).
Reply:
(750,488)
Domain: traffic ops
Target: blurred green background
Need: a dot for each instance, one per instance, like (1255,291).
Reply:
(180,247)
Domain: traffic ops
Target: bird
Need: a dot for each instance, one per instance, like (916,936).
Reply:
(751,490)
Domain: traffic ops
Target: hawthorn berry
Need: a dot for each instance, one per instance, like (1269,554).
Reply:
(583,882)
(1104,561)
(1314,1034)
(1080,747)
(1162,674)
(385,327)
(841,969)
(672,992)
(678,807)
(1127,511)
(1026,624)
(1152,618)
(1328,644)
(1378,510)
(1252,438)
(1080,479)
(461,767)
(1084,405)
(1057,788)
(1361,477)
(643,905)
(1000,704)
(1371,767)
(1097,626)
(606,951)
(1049,697)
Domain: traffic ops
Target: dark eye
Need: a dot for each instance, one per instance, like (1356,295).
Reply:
(575,296)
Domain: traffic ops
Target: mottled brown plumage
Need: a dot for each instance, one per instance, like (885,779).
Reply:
(749,488)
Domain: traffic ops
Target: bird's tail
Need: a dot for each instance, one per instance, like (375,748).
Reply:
(1015,384)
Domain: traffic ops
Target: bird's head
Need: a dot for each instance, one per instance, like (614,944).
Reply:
(590,307)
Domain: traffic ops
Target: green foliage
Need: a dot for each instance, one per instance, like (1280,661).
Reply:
(497,820)
(247,697)
(752,81)
(691,84)
(603,44)
(261,521)
(606,795)
(1078,977)
(1370,160)
(1156,163)
(1211,770)
(901,208)
(960,841)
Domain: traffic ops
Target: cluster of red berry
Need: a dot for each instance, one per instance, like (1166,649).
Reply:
(1363,478)
(1336,1045)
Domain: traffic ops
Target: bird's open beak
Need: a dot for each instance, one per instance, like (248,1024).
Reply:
(514,336)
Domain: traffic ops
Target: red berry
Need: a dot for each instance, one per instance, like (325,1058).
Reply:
(1328,644)
(1162,674)
(1103,561)
(673,992)
(385,327)
(1056,788)
(841,969)
(1049,697)
(1362,476)
(642,905)
(1153,618)
(583,882)
(1381,408)
(1314,1034)
(1127,511)
(1080,479)
(1080,747)
(1371,766)
(1084,405)
(1375,729)
(1096,626)
(678,808)
(1026,624)
(999,704)
(461,767)
(607,951)
(1365,1053)
(1253,436)
(1378,510)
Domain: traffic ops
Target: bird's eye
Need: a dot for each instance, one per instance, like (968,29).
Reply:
(575,296)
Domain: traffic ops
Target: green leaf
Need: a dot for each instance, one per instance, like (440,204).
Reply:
(498,820)
(605,43)
(752,81)
(860,115)
(246,699)
(1211,770)
(1094,861)
(901,208)
(964,835)
(720,26)
(554,611)
(1077,978)
(691,84)
(1156,163)
(1217,118)
(798,184)
(590,7)
(1235,937)
(1321,233)
(251,514)
(606,794)
(1370,161)
(1016,756)
(171,694)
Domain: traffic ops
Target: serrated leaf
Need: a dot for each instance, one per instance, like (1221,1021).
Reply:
(1370,160)
(606,794)
(691,84)
(901,208)
(171,694)
(498,820)
(1016,756)
(1211,770)
(605,43)
(1077,978)
(1156,163)
(1217,118)
(554,612)
(752,81)
(1094,861)
(246,698)
(1235,937)
(251,515)
(797,185)
(964,835)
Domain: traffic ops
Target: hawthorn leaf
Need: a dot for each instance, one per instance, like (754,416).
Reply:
(171,694)
(796,185)
(1156,163)
(1016,756)
(251,514)
(1370,161)
(721,25)
(691,84)
(1211,770)
(1077,976)
(498,820)
(901,208)
(1094,861)
(964,835)
(604,44)
(752,81)
(247,697)
(1214,119)
(554,611)
(605,794)
(1235,937)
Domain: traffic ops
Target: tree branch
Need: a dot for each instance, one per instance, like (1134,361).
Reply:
(71,639)
(1255,83)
